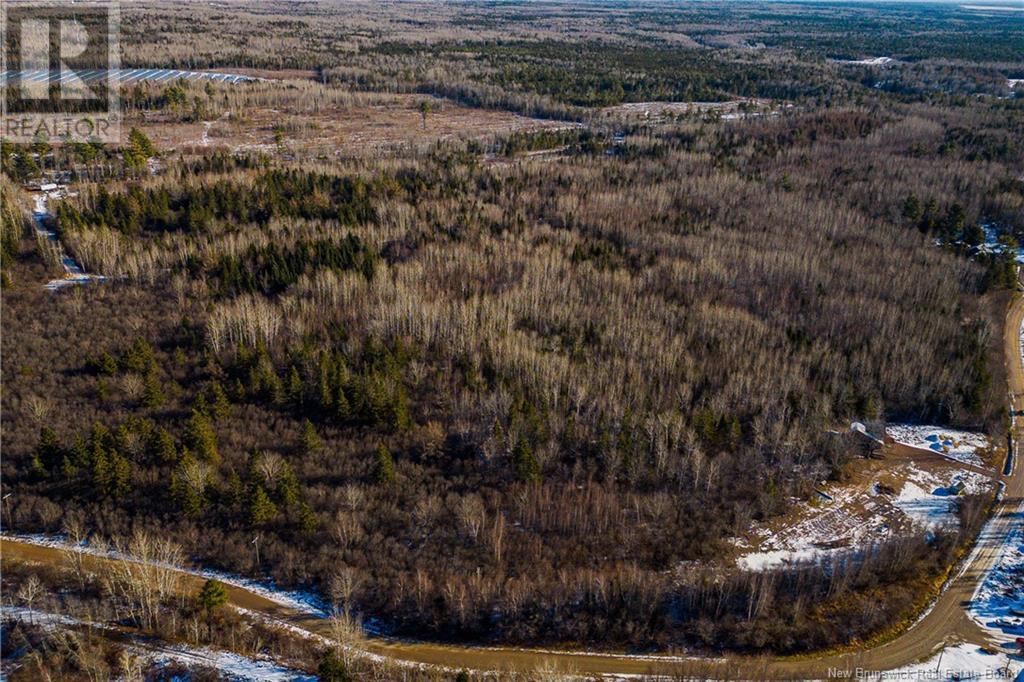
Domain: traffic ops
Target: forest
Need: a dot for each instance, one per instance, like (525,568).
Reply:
(524,388)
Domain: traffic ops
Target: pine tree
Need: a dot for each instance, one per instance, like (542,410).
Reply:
(342,408)
(526,464)
(398,411)
(139,356)
(326,389)
(120,475)
(310,443)
(261,509)
(912,210)
(295,390)
(308,522)
(100,469)
(185,496)
(107,364)
(160,446)
(213,595)
(234,491)
(385,466)
(218,401)
(49,452)
(152,393)
(287,487)
(333,669)
(200,436)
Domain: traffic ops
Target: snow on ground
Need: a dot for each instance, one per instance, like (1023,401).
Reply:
(998,602)
(992,243)
(898,499)
(962,446)
(869,61)
(929,500)
(45,620)
(959,662)
(991,8)
(822,528)
(301,601)
(230,665)
(73,272)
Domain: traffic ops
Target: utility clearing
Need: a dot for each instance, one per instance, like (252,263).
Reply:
(73,272)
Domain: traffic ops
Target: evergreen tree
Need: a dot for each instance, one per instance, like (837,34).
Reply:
(234,491)
(308,522)
(139,149)
(188,500)
(219,405)
(200,436)
(152,393)
(120,475)
(310,443)
(261,509)
(342,408)
(527,468)
(49,452)
(212,596)
(385,465)
(287,487)
(100,469)
(333,669)
(107,364)
(160,446)
(912,210)
(294,389)
(139,356)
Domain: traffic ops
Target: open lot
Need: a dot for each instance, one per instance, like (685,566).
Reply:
(909,487)
(369,123)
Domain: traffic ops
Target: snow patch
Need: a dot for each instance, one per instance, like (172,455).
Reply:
(998,602)
(992,243)
(959,662)
(962,446)
(73,272)
(231,666)
(844,518)
(45,620)
(868,61)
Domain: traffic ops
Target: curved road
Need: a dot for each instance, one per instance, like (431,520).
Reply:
(946,622)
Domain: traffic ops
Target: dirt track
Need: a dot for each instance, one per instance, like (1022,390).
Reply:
(946,622)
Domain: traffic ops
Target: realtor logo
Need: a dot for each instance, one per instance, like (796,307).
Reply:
(58,75)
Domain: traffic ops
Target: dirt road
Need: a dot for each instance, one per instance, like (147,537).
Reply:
(946,622)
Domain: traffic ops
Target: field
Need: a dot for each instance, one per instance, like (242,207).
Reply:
(362,125)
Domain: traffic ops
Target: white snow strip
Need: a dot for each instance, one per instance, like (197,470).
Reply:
(869,61)
(303,602)
(45,620)
(230,665)
(73,272)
